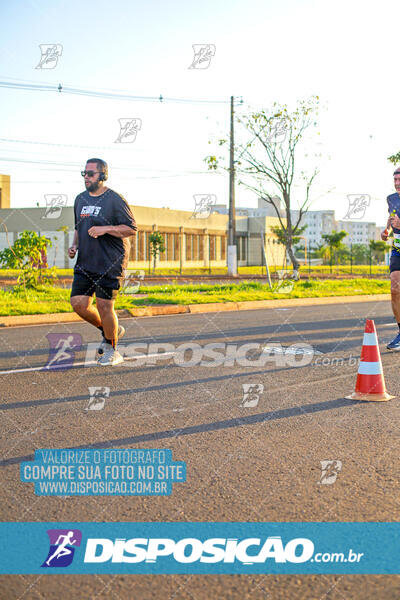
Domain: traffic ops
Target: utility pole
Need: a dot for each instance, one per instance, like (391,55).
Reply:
(232,257)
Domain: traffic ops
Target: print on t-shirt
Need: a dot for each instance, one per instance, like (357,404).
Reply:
(87,211)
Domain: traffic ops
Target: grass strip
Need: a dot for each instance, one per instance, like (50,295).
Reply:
(47,299)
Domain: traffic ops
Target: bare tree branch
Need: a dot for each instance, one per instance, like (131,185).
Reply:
(267,162)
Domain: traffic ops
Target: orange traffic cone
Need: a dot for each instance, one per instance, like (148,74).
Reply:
(370,383)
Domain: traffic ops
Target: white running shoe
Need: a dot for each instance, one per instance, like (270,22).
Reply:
(121,333)
(110,356)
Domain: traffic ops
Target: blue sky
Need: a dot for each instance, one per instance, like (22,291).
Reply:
(265,51)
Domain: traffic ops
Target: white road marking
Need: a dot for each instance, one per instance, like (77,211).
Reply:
(80,364)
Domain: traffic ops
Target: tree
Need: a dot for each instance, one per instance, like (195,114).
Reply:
(359,253)
(280,234)
(322,251)
(394,159)
(378,249)
(334,241)
(157,245)
(268,160)
(28,255)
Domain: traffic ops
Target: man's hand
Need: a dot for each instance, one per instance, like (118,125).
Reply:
(72,251)
(384,235)
(96,231)
(395,222)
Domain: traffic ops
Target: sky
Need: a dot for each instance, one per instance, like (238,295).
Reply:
(266,51)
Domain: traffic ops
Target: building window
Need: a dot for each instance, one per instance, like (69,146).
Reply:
(133,248)
(201,247)
(223,247)
(176,246)
(163,255)
(196,247)
(189,252)
(212,247)
(241,247)
(143,245)
(170,246)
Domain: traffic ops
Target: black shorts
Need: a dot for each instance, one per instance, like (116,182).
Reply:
(87,284)
(394,262)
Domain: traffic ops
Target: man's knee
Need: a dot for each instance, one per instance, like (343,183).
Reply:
(80,303)
(105,307)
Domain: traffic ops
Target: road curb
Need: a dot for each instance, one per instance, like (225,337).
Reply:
(175,309)
(44,319)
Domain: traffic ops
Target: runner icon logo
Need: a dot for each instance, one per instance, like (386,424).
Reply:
(132,281)
(358,204)
(251,394)
(97,398)
(62,349)
(62,547)
(277,131)
(203,54)
(203,205)
(286,281)
(50,54)
(128,130)
(54,205)
(330,470)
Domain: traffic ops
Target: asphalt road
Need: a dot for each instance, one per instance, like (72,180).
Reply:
(249,458)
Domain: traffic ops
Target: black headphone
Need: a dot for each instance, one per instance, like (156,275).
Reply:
(104,174)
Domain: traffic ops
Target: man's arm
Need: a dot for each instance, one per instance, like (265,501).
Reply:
(385,232)
(119,231)
(73,249)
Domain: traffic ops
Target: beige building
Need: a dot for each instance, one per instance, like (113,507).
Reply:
(190,240)
(4,191)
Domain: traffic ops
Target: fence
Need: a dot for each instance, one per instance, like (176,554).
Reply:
(357,259)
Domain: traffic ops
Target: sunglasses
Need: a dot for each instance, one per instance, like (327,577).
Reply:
(89,173)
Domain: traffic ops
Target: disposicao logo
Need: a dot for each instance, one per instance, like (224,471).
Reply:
(190,550)
(61,551)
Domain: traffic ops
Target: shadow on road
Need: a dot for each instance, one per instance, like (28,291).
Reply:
(283,413)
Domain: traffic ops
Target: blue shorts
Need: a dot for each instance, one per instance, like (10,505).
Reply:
(394,261)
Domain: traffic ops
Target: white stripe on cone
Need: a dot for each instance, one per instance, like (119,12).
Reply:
(370,339)
(369,368)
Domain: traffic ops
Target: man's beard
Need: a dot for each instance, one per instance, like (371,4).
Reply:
(93,187)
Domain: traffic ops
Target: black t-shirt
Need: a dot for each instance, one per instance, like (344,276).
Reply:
(106,255)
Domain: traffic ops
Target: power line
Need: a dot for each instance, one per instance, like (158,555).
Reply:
(44,161)
(98,94)
(11,140)
(78,165)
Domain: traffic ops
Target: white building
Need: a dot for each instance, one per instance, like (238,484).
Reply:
(321,222)
(318,222)
(358,232)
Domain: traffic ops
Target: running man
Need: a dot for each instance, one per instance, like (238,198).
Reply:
(103,222)
(62,549)
(394,222)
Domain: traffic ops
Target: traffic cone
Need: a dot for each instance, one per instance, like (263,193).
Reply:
(370,383)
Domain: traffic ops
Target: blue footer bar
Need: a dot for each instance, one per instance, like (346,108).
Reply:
(199,548)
